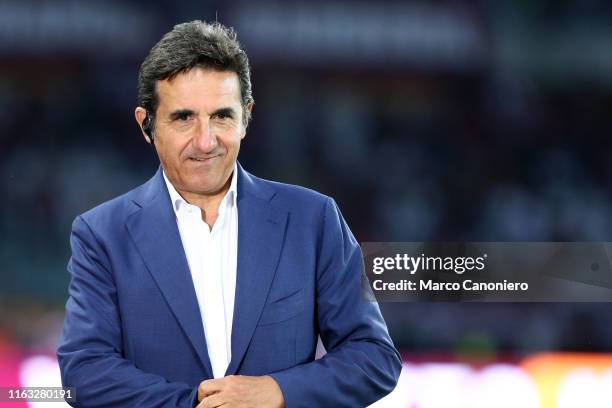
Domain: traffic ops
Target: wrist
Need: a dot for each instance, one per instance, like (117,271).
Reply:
(278,399)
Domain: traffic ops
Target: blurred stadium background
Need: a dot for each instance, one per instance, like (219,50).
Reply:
(426,120)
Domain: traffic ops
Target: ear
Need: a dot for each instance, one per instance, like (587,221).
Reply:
(141,114)
(249,108)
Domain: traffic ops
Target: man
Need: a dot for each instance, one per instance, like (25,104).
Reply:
(209,286)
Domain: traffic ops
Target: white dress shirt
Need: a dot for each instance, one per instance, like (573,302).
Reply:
(211,255)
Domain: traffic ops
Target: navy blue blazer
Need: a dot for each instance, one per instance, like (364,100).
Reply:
(133,334)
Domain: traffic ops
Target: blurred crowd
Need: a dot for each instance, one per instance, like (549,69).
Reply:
(446,120)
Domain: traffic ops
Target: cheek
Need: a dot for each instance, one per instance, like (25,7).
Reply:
(173,148)
(233,142)
(168,153)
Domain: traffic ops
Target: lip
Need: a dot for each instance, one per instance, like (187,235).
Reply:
(201,160)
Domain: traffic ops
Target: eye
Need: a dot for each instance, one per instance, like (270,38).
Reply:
(183,117)
(222,115)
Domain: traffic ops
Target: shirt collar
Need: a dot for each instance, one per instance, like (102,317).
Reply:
(228,200)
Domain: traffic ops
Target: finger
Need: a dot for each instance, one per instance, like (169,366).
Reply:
(212,401)
(209,387)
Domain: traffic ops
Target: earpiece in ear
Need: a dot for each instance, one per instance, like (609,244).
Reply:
(147,126)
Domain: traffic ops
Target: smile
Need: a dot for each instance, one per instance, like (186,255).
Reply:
(202,159)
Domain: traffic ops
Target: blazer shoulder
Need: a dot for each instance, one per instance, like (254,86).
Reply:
(114,211)
(292,196)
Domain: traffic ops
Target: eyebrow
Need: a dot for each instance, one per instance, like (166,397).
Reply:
(180,113)
(225,112)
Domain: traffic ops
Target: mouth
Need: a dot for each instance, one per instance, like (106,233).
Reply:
(202,159)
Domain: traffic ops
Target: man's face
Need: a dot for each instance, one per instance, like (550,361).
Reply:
(198,129)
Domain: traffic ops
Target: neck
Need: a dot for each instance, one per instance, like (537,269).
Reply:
(208,203)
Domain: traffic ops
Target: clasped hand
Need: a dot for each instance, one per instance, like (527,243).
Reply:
(239,391)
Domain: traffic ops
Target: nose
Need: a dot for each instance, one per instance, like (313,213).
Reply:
(204,138)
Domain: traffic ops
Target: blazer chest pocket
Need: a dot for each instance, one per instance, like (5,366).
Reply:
(282,307)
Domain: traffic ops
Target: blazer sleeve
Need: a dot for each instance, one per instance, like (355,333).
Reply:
(361,364)
(90,346)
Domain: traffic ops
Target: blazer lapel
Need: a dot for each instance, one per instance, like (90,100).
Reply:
(155,234)
(261,230)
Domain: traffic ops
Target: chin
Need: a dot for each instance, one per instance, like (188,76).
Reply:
(204,187)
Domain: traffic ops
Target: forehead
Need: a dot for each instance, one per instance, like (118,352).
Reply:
(199,88)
